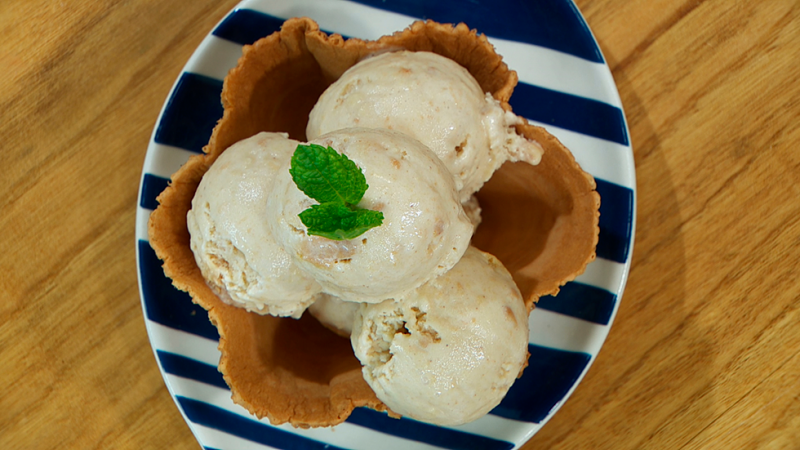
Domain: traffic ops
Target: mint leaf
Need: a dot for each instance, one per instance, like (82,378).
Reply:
(338,185)
(326,175)
(334,220)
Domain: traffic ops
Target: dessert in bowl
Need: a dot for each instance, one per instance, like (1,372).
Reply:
(539,221)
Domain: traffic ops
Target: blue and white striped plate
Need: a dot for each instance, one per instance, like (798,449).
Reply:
(565,86)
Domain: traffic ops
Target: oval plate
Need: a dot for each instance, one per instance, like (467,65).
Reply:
(564,86)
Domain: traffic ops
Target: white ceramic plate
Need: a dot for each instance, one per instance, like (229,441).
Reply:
(565,86)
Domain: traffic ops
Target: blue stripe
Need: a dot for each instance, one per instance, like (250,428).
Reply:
(579,114)
(191,113)
(547,379)
(581,301)
(191,368)
(245,26)
(152,186)
(555,24)
(571,112)
(365,417)
(167,305)
(219,419)
(616,221)
(422,432)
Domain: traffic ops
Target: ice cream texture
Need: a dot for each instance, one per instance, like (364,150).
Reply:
(335,314)
(424,232)
(436,101)
(448,353)
(231,241)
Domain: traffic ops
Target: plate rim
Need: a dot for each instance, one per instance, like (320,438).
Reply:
(629,169)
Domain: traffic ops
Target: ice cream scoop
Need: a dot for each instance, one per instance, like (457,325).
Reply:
(433,99)
(231,241)
(448,353)
(424,232)
(335,314)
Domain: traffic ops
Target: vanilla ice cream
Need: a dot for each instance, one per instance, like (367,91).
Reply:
(473,210)
(334,313)
(448,353)
(433,99)
(230,237)
(424,232)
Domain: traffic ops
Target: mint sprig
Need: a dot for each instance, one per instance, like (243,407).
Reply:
(338,185)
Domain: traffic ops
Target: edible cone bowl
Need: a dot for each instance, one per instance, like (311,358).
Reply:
(540,221)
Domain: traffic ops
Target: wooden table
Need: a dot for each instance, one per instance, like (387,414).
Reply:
(705,350)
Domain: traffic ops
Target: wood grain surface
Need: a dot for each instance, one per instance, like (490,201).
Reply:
(705,350)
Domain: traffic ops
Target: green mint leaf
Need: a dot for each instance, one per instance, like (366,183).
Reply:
(338,185)
(337,221)
(326,175)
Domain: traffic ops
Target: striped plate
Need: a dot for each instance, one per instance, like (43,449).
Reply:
(565,86)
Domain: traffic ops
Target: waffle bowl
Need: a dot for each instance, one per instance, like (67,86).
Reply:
(540,221)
